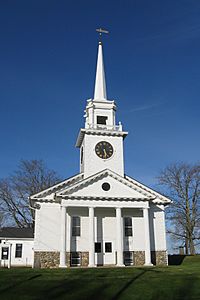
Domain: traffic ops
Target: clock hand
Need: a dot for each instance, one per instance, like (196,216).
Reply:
(105,154)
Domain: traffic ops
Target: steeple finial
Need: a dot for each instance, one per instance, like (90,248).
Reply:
(100,31)
(100,83)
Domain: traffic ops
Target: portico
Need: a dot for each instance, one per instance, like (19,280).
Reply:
(92,208)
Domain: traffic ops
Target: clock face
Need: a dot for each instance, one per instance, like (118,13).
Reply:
(104,150)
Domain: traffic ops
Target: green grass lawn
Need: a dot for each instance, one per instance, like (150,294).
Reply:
(173,282)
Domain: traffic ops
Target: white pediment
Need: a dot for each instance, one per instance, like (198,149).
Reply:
(91,188)
(119,188)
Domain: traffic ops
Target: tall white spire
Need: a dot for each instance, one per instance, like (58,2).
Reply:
(100,83)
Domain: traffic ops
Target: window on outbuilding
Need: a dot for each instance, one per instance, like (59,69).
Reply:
(101,120)
(18,250)
(4,252)
(128,226)
(76,226)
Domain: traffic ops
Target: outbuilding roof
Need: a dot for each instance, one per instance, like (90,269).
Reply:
(14,232)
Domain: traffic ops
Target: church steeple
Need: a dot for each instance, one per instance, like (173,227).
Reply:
(100,82)
(101,140)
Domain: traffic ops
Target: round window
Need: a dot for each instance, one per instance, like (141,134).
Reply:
(106,186)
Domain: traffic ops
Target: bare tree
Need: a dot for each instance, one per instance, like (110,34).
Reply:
(31,177)
(1,219)
(182,184)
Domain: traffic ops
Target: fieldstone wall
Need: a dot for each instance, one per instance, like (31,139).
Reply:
(138,258)
(68,259)
(159,258)
(46,259)
(84,259)
(50,259)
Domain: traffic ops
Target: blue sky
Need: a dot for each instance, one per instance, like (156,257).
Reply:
(47,66)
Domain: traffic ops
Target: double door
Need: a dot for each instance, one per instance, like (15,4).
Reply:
(104,253)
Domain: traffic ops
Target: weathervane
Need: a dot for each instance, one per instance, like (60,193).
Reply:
(100,31)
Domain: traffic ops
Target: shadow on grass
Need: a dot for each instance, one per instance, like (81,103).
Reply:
(104,284)
(126,286)
(16,284)
(74,289)
(86,289)
(130,282)
(176,259)
(186,290)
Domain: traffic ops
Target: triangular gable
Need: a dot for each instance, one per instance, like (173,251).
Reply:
(92,187)
(58,187)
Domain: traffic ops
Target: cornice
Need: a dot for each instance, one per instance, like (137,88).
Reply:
(159,198)
(58,199)
(101,132)
(98,198)
(56,187)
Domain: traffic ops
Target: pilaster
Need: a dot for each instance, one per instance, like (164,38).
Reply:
(147,237)
(119,231)
(91,237)
(63,238)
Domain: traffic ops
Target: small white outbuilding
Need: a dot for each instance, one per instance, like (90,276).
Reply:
(16,247)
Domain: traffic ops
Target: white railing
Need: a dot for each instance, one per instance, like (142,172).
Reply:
(104,127)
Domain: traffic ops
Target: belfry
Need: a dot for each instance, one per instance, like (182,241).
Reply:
(100,216)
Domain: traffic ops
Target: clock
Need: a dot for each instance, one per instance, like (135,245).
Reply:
(104,150)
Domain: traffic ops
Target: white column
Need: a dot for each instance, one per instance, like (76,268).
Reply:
(9,255)
(68,232)
(63,238)
(147,237)
(91,237)
(164,232)
(119,237)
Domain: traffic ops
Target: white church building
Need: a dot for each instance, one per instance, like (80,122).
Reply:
(100,217)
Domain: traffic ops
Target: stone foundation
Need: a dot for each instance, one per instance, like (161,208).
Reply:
(159,258)
(50,259)
(84,259)
(68,259)
(46,259)
(138,258)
